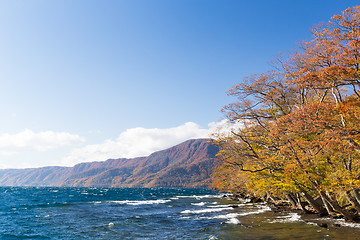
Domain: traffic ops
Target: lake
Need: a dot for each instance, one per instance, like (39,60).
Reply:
(151,213)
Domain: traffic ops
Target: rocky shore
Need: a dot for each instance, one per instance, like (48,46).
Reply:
(287,206)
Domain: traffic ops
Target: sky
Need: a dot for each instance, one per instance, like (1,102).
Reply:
(89,80)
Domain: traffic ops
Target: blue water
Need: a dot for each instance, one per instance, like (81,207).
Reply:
(100,213)
(147,213)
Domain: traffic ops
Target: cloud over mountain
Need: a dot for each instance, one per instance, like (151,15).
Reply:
(51,148)
(137,142)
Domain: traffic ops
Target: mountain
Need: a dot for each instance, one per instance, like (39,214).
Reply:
(189,164)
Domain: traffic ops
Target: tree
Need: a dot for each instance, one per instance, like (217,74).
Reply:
(301,123)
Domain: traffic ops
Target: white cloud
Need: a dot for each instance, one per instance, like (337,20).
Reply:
(11,144)
(31,149)
(224,127)
(137,142)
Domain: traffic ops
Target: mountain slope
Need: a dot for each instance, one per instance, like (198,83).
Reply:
(189,164)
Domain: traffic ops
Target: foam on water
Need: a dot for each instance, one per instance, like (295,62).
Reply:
(291,217)
(233,215)
(220,206)
(231,218)
(262,209)
(198,204)
(141,202)
(206,210)
(342,222)
(198,197)
(233,221)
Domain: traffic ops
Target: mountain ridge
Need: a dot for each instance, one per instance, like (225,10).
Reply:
(188,164)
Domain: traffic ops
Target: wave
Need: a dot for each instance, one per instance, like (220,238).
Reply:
(291,217)
(198,204)
(141,202)
(207,210)
(232,217)
(262,209)
(221,206)
(233,221)
(341,222)
(198,197)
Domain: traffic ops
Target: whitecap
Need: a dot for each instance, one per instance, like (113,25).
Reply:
(233,215)
(142,202)
(261,210)
(219,206)
(207,210)
(291,217)
(342,222)
(233,221)
(226,216)
(231,218)
(198,197)
(312,223)
(198,204)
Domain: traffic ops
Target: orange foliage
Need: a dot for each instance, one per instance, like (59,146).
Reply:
(301,120)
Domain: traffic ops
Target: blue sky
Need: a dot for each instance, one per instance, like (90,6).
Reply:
(88,80)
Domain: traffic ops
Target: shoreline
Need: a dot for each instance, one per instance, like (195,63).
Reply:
(283,207)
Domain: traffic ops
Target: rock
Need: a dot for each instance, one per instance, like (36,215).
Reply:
(324,225)
(337,225)
(255,200)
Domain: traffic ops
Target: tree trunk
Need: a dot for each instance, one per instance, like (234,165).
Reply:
(272,198)
(353,201)
(292,200)
(356,194)
(315,205)
(301,204)
(327,204)
(335,205)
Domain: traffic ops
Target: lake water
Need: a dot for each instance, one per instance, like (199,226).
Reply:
(150,213)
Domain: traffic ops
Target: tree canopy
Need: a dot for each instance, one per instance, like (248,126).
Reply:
(300,132)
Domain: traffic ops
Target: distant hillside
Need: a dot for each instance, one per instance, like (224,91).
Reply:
(189,164)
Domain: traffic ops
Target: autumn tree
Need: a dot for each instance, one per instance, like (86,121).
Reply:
(300,136)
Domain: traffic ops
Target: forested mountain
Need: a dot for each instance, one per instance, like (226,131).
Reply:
(189,164)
